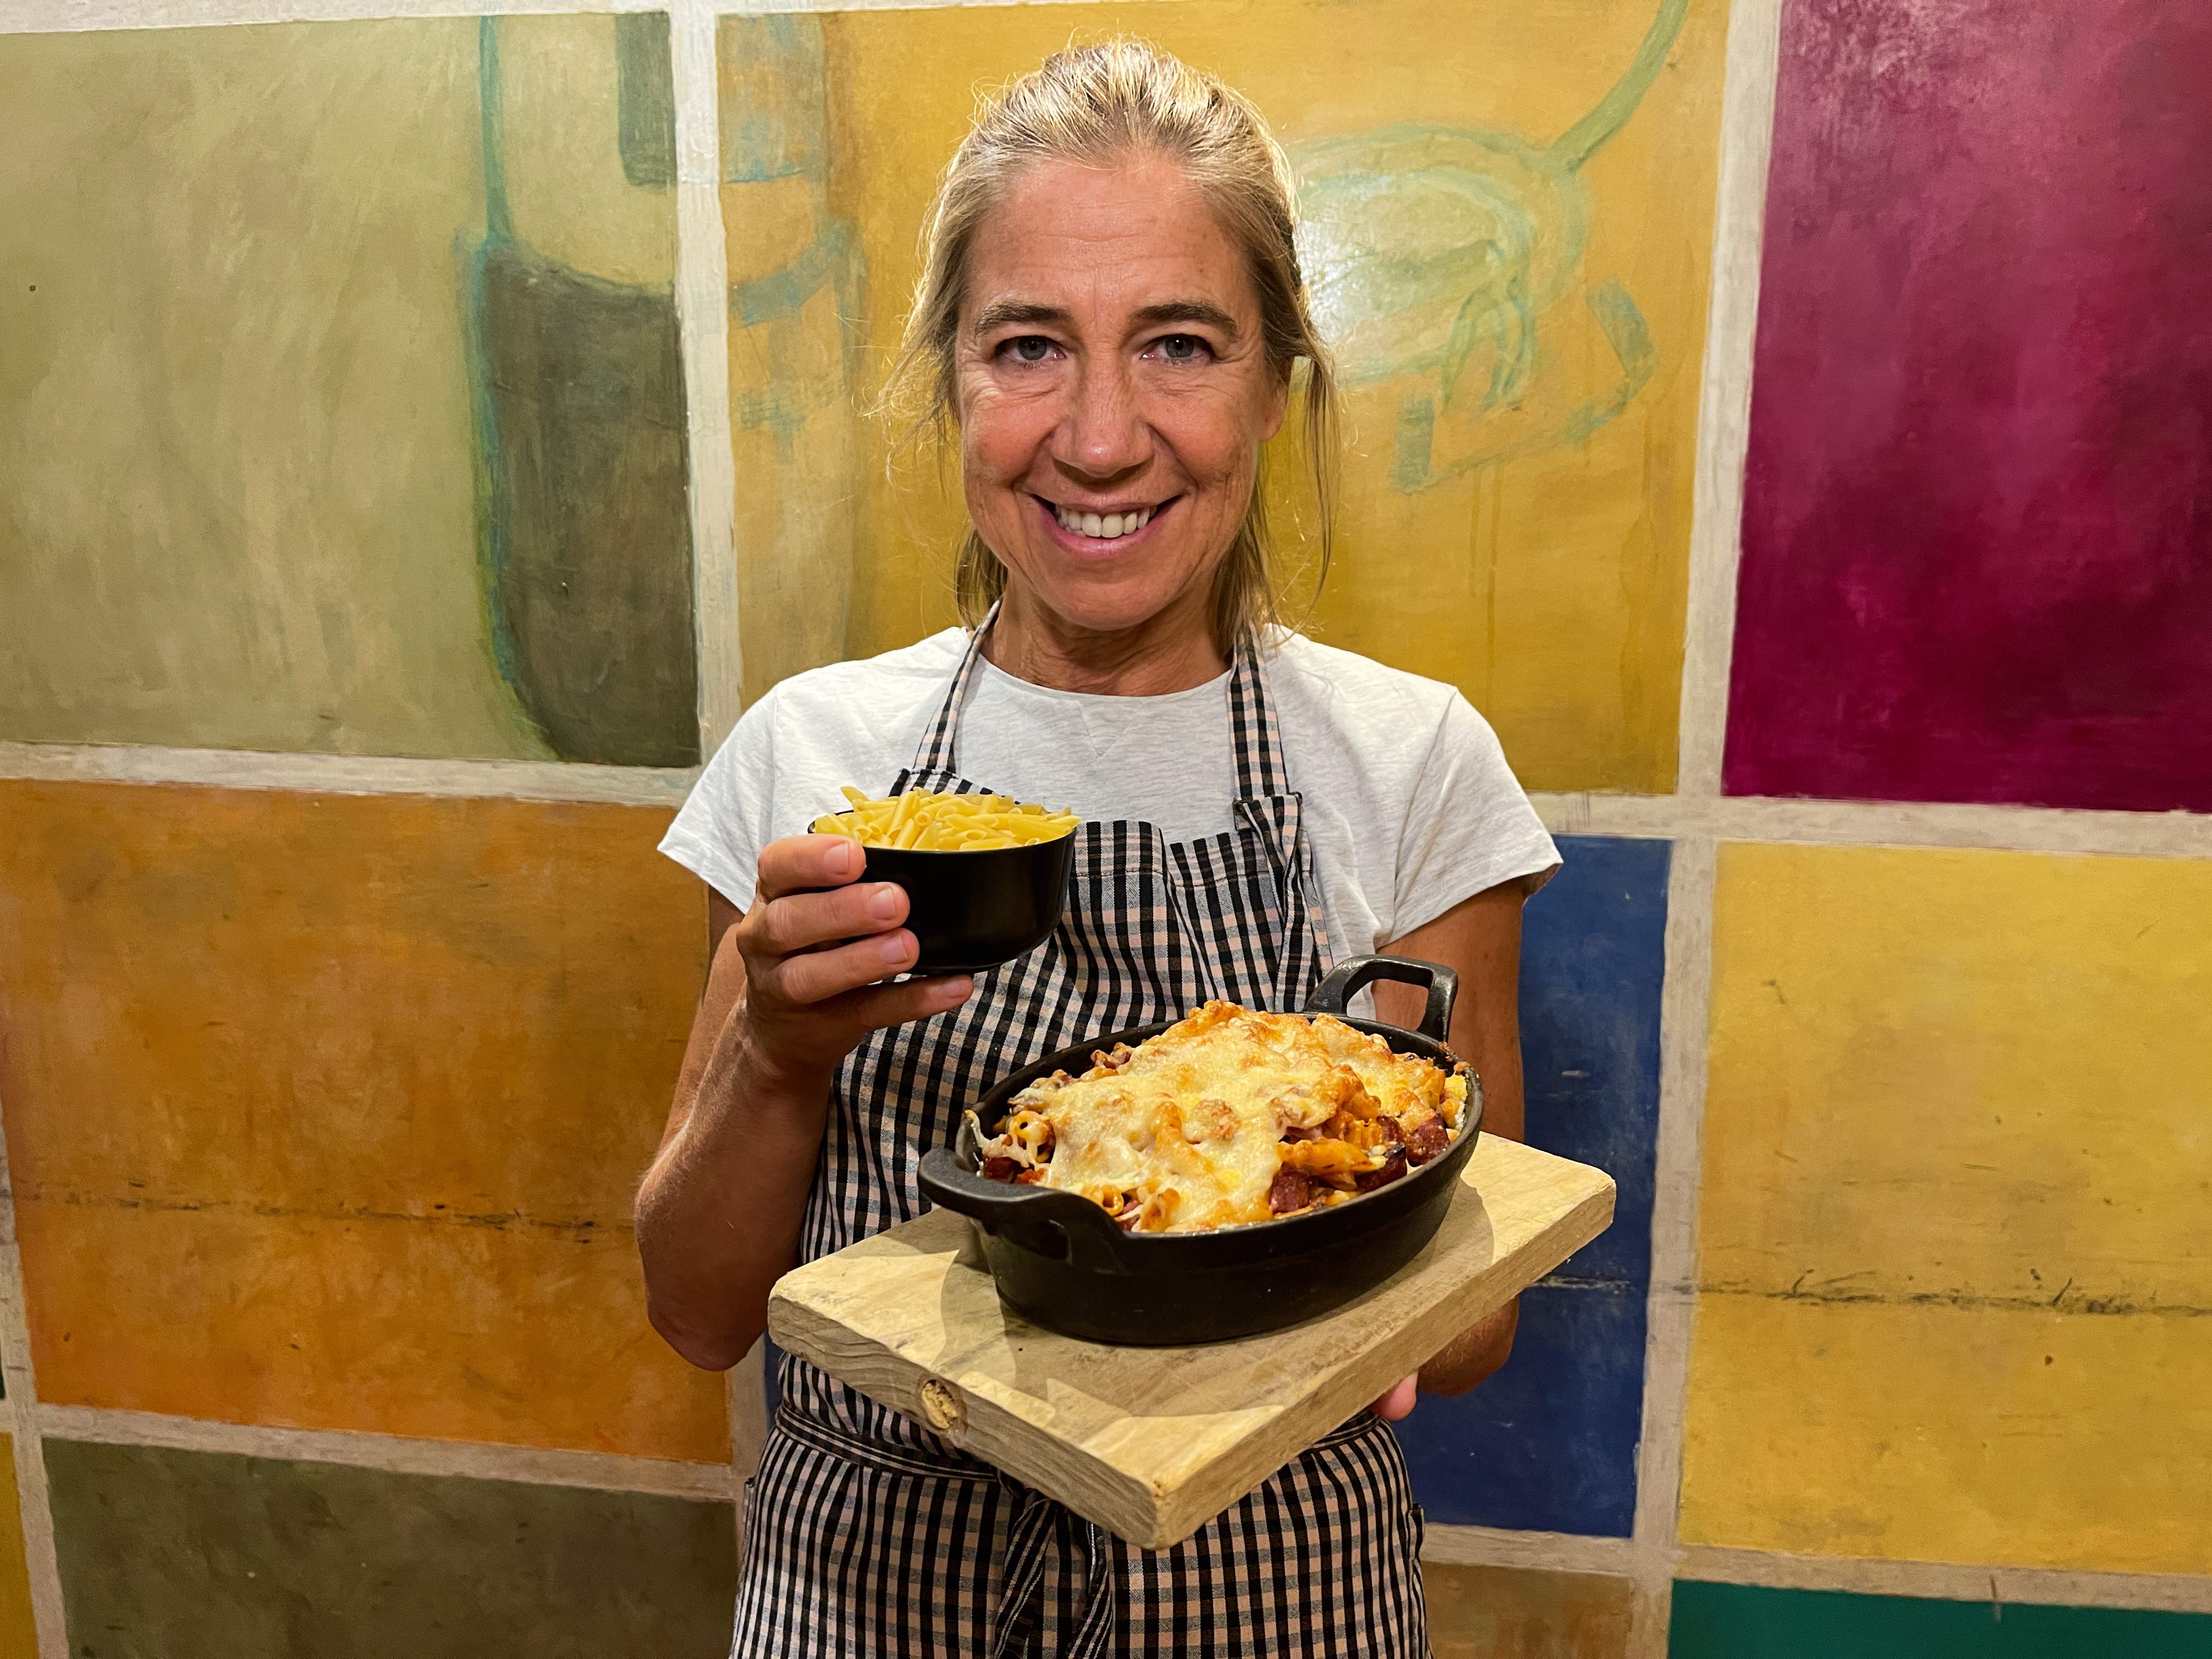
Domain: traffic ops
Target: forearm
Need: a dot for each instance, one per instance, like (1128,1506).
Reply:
(1481,939)
(720,1209)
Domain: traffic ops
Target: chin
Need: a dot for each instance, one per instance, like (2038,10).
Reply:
(1104,608)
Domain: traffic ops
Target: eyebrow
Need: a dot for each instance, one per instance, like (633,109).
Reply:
(1189,310)
(1002,313)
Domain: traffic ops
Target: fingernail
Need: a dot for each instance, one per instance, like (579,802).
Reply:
(884,905)
(840,861)
(954,990)
(893,949)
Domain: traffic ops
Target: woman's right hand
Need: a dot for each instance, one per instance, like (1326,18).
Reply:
(816,943)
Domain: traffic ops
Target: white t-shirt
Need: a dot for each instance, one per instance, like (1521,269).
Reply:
(1409,801)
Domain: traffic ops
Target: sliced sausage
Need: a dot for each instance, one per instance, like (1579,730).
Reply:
(1382,1177)
(1427,1141)
(1292,1191)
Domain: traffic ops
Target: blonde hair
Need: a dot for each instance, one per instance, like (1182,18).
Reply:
(1095,105)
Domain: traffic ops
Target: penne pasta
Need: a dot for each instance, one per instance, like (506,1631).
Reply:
(926,821)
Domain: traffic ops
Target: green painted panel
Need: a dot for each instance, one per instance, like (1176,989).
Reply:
(1739,1621)
(199,1555)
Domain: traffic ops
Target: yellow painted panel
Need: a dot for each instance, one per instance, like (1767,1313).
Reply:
(1505,1613)
(19,1635)
(1955,1267)
(1914,1433)
(326,1110)
(1527,540)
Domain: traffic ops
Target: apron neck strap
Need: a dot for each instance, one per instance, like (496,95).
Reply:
(1258,736)
(938,750)
(1262,771)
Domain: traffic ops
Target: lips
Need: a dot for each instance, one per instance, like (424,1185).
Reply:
(1085,529)
(1103,526)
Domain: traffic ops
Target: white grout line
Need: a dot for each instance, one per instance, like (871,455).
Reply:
(1943,1580)
(393,1454)
(2064,830)
(41,1560)
(1724,399)
(348,775)
(1539,1552)
(702,314)
(1818,823)
(1684,1010)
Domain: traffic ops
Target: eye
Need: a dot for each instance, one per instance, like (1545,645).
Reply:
(1027,348)
(1183,349)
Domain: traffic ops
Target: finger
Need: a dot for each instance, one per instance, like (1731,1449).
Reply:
(799,921)
(1398,1404)
(815,976)
(917,998)
(802,863)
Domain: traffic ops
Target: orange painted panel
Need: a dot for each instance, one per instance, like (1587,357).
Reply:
(19,1634)
(326,1110)
(1507,1612)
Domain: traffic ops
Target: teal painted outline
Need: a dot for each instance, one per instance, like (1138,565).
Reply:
(487,462)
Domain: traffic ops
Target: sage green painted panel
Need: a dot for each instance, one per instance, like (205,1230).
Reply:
(201,1555)
(1741,1621)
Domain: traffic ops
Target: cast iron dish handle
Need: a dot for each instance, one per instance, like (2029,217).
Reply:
(1062,1225)
(1339,988)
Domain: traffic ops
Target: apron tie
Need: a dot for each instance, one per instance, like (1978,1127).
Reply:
(1025,1546)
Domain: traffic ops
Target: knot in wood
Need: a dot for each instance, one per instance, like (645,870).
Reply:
(942,1404)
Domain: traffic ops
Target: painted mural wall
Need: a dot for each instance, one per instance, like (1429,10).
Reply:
(342,410)
(348,421)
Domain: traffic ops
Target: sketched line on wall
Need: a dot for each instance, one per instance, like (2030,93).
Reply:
(1434,252)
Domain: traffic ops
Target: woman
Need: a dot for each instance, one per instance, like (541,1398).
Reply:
(1110,314)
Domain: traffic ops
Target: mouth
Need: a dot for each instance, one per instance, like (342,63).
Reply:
(1088,530)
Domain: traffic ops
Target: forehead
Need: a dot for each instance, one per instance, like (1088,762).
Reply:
(1100,242)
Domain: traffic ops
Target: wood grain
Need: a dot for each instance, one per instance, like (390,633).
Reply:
(1152,1443)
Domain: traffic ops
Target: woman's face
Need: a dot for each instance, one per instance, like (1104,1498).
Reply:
(1113,392)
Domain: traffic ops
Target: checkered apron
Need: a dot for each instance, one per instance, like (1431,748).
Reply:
(867,1535)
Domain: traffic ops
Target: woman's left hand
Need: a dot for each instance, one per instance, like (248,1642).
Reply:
(1472,1357)
(1398,1403)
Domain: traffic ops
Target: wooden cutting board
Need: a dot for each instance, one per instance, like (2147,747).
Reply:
(1153,1443)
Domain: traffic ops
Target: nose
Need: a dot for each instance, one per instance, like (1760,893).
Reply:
(1104,433)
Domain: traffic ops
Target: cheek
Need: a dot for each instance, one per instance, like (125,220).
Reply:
(1000,435)
(1214,439)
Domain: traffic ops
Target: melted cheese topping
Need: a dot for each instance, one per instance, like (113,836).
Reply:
(1187,1129)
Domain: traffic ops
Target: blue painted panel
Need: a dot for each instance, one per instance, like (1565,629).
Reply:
(1550,1442)
(1592,959)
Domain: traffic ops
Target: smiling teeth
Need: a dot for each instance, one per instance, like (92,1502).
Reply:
(1103,526)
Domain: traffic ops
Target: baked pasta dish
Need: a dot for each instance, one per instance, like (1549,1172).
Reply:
(1230,1116)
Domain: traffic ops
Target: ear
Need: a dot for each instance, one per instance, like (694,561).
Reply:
(1278,405)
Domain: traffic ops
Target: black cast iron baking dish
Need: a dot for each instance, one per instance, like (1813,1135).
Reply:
(1061,1262)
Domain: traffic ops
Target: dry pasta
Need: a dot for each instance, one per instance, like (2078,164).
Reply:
(925,820)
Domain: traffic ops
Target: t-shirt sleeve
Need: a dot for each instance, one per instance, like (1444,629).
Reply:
(1469,824)
(718,833)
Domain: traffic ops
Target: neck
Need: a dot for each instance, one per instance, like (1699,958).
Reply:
(1171,650)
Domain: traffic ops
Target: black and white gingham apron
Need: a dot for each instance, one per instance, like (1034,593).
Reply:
(867,1535)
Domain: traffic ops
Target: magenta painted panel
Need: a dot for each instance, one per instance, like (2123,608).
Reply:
(1977,514)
